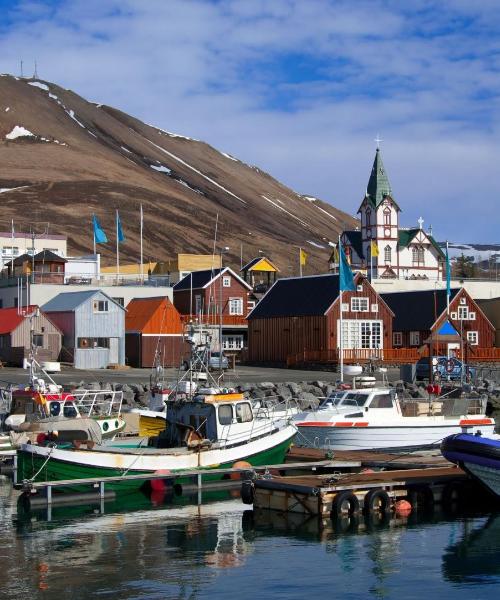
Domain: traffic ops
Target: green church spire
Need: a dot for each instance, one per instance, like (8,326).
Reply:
(378,185)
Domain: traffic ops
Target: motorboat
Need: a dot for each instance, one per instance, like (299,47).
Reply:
(380,418)
(479,455)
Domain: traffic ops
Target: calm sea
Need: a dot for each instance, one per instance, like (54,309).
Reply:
(163,548)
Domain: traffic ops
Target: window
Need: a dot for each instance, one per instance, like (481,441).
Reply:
(397,338)
(235,306)
(359,304)
(198,307)
(250,304)
(10,251)
(362,334)
(69,410)
(374,307)
(225,414)
(120,301)
(414,338)
(226,281)
(381,401)
(93,342)
(368,217)
(244,413)
(232,342)
(100,306)
(473,338)
(387,254)
(463,313)
(418,255)
(38,340)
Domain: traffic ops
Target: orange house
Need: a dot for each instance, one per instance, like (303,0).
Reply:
(153,327)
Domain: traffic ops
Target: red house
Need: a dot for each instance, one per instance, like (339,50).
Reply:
(204,296)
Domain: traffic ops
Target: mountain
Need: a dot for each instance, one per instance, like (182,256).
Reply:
(63,158)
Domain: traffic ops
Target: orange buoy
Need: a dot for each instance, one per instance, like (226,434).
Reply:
(159,485)
(403,508)
(367,471)
(239,464)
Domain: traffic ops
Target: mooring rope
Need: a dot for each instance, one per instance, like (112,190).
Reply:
(52,447)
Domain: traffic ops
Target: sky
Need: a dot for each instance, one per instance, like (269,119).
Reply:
(300,88)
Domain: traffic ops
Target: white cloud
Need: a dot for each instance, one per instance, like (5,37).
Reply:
(299,88)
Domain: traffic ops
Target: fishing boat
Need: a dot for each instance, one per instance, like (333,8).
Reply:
(476,454)
(376,418)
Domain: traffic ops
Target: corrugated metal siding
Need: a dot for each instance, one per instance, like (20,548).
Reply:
(20,337)
(91,358)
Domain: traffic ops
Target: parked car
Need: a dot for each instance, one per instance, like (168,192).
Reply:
(215,361)
(444,369)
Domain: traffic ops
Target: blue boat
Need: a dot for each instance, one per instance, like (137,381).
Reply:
(479,456)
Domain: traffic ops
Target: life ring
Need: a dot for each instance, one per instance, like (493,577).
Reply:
(344,503)
(450,365)
(377,500)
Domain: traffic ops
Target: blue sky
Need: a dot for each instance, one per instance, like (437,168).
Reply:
(298,87)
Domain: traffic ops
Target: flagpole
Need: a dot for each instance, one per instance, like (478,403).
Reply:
(371,263)
(142,257)
(448,282)
(341,333)
(93,231)
(300,261)
(117,249)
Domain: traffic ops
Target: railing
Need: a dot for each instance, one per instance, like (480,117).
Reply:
(214,319)
(386,355)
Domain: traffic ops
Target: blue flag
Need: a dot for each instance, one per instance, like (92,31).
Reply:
(346,280)
(119,231)
(99,235)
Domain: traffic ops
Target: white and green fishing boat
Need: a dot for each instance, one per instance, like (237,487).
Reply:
(213,429)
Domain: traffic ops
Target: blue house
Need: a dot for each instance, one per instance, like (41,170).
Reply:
(93,327)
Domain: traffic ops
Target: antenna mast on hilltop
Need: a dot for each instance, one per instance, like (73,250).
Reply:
(35,72)
(22,74)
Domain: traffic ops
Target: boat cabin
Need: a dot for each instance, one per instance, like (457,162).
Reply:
(33,405)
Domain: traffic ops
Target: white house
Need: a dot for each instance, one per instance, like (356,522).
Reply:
(380,244)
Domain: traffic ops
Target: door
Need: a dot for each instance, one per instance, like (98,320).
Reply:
(453,349)
(113,350)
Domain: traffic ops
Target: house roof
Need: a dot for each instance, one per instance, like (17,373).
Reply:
(152,315)
(49,256)
(202,279)
(10,318)
(68,301)
(354,238)
(266,265)
(417,311)
(405,236)
(298,297)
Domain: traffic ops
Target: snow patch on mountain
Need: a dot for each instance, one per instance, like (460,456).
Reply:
(39,84)
(284,210)
(161,169)
(19,131)
(315,244)
(477,252)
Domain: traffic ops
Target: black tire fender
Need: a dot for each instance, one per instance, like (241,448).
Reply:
(340,501)
(377,500)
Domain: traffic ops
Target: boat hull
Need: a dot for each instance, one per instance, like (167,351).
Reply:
(362,436)
(35,464)
(477,455)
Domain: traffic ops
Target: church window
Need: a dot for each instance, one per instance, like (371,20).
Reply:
(387,216)
(387,254)
(368,217)
(418,255)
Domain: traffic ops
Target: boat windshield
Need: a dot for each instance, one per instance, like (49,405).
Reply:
(334,399)
(355,399)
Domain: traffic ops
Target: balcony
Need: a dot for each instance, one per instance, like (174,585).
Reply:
(213,320)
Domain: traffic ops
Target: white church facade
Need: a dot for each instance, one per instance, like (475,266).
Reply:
(384,249)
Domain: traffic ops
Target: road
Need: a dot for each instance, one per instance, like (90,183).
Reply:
(242,374)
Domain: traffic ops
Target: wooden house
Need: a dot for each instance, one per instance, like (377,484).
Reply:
(491,308)
(260,273)
(93,326)
(17,327)
(153,326)
(298,321)
(44,267)
(204,296)
(418,314)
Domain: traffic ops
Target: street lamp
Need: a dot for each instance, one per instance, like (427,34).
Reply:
(223,250)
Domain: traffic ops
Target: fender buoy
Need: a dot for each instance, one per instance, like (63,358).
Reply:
(240,464)
(344,503)
(377,500)
(159,485)
(402,508)
(247,492)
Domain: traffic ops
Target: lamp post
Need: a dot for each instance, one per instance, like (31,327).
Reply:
(222,251)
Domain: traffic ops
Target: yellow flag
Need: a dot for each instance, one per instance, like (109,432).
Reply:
(374,248)
(303,257)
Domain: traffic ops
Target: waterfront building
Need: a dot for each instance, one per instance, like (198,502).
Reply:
(93,326)
(15,243)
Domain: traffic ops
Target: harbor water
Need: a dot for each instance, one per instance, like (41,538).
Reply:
(169,547)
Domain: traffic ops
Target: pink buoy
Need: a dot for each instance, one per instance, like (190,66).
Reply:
(159,485)
(403,508)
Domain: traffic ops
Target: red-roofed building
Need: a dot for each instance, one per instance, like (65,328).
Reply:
(153,324)
(15,335)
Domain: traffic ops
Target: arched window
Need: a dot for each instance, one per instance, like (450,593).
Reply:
(387,216)
(368,217)
(387,254)
(418,255)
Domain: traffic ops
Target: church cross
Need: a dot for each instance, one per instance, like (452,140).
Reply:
(420,222)
(378,139)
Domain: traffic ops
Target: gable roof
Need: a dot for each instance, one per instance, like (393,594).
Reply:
(152,315)
(417,311)
(68,301)
(202,279)
(355,240)
(249,266)
(10,318)
(49,256)
(298,297)
(405,236)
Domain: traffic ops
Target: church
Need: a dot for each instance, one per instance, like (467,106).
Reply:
(380,246)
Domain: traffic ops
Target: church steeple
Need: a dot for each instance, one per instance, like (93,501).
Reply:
(378,184)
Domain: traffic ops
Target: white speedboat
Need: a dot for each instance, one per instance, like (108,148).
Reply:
(376,418)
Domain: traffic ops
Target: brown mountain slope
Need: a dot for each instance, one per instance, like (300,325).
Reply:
(84,158)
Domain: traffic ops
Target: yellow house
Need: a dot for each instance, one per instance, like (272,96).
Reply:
(260,273)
